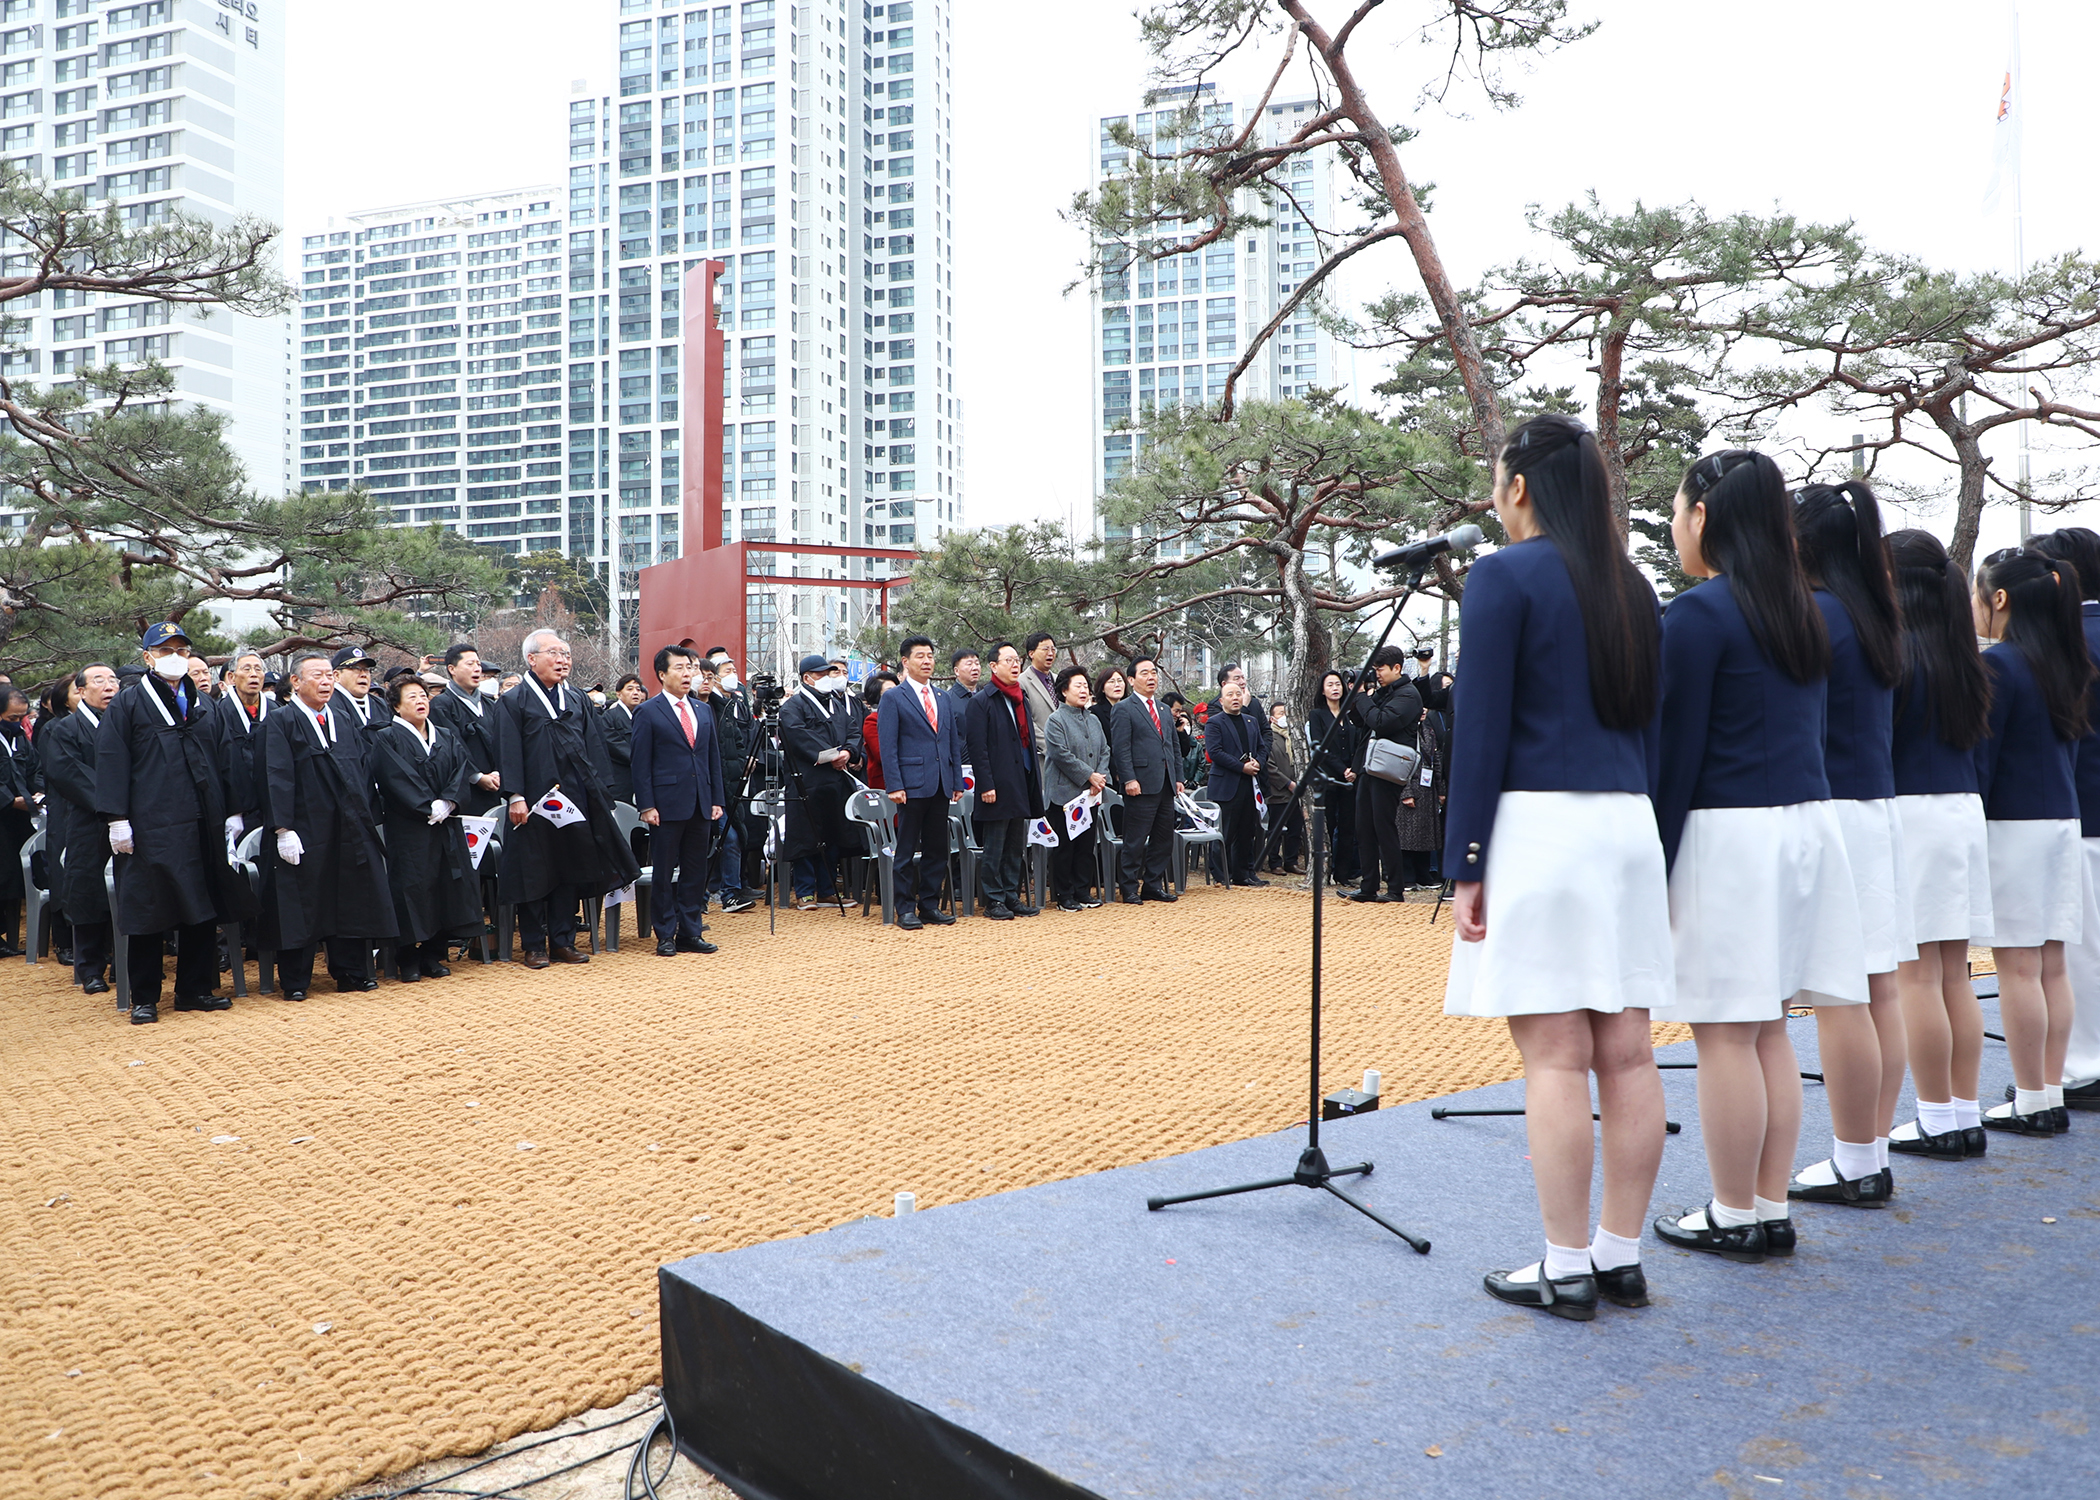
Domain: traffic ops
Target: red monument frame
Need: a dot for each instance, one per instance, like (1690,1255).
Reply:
(698,598)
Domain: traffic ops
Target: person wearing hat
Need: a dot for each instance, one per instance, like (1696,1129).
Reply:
(816,733)
(161,784)
(324,870)
(353,689)
(549,740)
(75,837)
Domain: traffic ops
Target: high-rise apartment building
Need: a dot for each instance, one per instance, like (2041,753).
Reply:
(808,148)
(155,107)
(430,366)
(1167,332)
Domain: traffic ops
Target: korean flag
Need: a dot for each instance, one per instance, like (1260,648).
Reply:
(557,809)
(969,778)
(479,832)
(1079,816)
(1040,832)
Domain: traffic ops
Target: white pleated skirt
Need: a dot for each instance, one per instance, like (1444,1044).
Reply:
(1578,914)
(1763,907)
(2037,882)
(1947,866)
(1875,848)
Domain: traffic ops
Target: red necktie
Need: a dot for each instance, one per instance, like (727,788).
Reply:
(1155,719)
(685,720)
(933,715)
(321,718)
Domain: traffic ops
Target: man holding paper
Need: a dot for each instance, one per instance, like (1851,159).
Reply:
(1075,770)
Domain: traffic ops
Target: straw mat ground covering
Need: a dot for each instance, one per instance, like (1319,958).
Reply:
(283,1250)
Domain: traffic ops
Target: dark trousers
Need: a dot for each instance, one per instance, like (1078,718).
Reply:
(1340,818)
(1378,834)
(681,898)
(1072,861)
(1005,842)
(1148,840)
(412,958)
(90,950)
(1418,866)
(1289,844)
(1239,827)
(549,921)
(349,958)
(922,828)
(196,962)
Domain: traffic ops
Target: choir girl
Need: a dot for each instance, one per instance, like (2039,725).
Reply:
(1563,912)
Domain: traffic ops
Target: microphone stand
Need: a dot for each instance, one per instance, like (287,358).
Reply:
(1313,1170)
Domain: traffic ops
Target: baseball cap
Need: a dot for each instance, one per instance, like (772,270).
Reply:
(161,634)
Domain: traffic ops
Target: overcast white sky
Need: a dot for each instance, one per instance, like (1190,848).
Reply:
(1873,110)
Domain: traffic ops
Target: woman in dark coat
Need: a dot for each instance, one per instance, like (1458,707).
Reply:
(1336,757)
(20,781)
(1421,819)
(423,778)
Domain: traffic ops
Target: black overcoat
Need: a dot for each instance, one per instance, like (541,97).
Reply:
(547,739)
(76,842)
(243,742)
(166,774)
(1001,758)
(324,794)
(476,733)
(437,891)
(816,795)
(617,725)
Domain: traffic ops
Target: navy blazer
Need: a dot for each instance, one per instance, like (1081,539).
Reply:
(1524,720)
(1736,731)
(1001,760)
(1859,754)
(2088,767)
(2023,770)
(917,760)
(680,781)
(1228,740)
(1926,765)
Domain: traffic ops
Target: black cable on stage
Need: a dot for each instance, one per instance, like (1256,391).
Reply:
(640,1461)
(430,1486)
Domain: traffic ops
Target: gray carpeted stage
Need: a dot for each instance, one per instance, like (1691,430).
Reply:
(1279,1345)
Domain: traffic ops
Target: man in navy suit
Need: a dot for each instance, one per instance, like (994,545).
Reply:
(920,732)
(677,770)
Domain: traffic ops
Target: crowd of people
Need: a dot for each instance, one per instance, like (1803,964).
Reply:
(1814,781)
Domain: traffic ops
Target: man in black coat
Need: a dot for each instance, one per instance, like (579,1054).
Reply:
(617,721)
(732,721)
(354,698)
(469,713)
(999,744)
(324,870)
(244,705)
(161,768)
(562,843)
(816,736)
(1391,712)
(76,839)
(1237,751)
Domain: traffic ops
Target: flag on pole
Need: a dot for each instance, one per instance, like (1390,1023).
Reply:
(969,778)
(2005,148)
(479,832)
(1261,805)
(557,809)
(1040,832)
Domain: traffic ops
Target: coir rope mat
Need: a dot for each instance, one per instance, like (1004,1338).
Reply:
(286,1249)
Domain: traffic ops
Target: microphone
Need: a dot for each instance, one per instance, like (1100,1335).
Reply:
(1415,554)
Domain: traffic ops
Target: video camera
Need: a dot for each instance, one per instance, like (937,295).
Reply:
(766,695)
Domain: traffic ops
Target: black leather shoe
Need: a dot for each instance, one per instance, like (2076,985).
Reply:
(1623,1287)
(2060,1117)
(998,911)
(1361,899)
(434,971)
(1974,1142)
(2041,1122)
(695,945)
(667,949)
(1779,1236)
(1251,880)
(1870,1191)
(96,986)
(1158,893)
(1744,1242)
(2082,1096)
(1026,910)
(910,922)
(938,918)
(409,976)
(1573,1297)
(1089,902)
(144,1015)
(355,986)
(1947,1147)
(203,1002)
(294,994)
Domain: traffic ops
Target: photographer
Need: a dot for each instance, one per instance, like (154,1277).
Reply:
(816,736)
(1392,712)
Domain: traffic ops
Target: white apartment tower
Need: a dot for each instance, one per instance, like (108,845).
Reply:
(1167,332)
(430,366)
(808,148)
(156,107)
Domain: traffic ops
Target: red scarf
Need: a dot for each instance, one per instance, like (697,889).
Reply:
(1020,704)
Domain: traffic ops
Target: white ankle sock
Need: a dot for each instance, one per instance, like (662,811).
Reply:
(1854,1159)
(1562,1262)
(1769,1212)
(1909,1130)
(1968,1114)
(2055,1091)
(1823,1174)
(1611,1252)
(2030,1101)
(1881,1153)
(1725,1217)
(1936,1119)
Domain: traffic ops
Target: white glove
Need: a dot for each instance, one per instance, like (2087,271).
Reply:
(289,849)
(120,836)
(439,811)
(235,827)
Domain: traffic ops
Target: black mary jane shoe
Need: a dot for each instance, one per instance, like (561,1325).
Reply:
(1573,1297)
(1870,1191)
(1742,1242)
(1947,1147)
(1779,1236)
(2060,1117)
(2041,1122)
(1624,1287)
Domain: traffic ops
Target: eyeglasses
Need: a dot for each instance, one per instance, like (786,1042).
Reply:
(551,651)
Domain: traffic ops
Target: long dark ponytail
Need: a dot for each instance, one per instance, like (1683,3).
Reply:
(1939,638)
(1841,549)
(2080,547)
(1571,496)
(1749,539)
(2042,620)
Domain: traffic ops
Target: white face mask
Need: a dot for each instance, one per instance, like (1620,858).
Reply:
(728,680)
(488,687)
(830,684)
(599,699)
(171,668)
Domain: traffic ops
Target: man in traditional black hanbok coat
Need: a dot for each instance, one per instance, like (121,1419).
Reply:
(550,751)
(461,707)
(161,769)
(76,839)
(816,743)
(423,777)
(324,874)
(244,707)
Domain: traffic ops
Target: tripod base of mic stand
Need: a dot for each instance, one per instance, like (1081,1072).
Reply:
(1312,1172)
(1670,1127)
